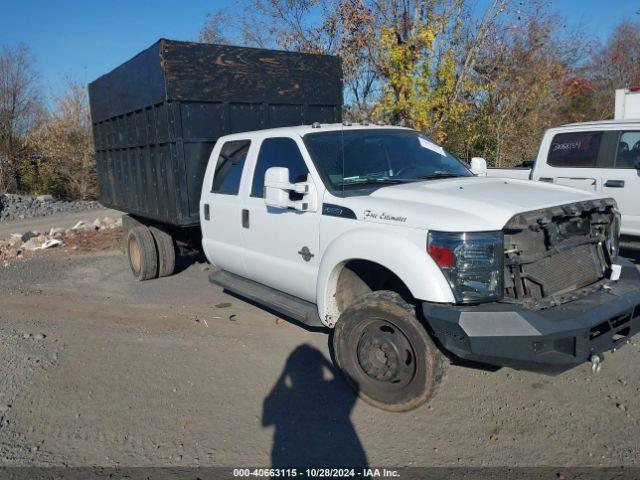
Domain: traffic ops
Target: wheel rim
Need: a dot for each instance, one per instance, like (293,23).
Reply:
(134,255)
(385,354)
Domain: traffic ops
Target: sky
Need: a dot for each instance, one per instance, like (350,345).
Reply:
(83,39)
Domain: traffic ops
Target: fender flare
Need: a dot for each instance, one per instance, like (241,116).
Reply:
(399,254)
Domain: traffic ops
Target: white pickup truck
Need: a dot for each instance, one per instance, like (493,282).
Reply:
(381,235)
(601,157)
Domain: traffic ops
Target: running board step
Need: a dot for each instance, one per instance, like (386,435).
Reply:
(629,245)
(296,308)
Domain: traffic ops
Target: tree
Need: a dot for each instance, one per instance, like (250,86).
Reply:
(64,137)
(215,28)
(427,50)
(528,73)
(615,65)
(482,82)
(20,102)
(334,27)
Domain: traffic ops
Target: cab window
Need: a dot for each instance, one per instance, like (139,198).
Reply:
(628,152)
(278,152)
(575,149)
(226,179)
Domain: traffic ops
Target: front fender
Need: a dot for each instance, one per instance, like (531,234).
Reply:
(400,254)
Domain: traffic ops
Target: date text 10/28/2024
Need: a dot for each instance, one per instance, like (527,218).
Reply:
(316,472)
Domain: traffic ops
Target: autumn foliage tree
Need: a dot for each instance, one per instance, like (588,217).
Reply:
(20,104)
(63,136)
(616,64)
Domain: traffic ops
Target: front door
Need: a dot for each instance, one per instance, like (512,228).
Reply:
(221,209)
(281,245)
(622,181)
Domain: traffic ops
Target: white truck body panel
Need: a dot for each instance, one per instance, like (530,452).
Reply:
(401,250)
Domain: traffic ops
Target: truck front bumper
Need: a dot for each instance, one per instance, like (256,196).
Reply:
(553,339)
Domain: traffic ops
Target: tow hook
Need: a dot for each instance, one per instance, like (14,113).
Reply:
(596,360)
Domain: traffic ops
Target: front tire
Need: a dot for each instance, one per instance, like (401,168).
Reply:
(385,353)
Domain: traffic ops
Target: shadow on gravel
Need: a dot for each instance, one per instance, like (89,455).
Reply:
(310,406)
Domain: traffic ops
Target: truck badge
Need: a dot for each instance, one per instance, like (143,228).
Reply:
(306,254)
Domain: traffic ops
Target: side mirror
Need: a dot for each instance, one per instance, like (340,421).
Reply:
(277,188)
(479,166)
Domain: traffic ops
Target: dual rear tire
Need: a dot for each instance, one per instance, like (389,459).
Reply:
(151,252)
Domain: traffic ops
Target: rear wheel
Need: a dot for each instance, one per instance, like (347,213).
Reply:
(386,354)
(166,251)
(142,252)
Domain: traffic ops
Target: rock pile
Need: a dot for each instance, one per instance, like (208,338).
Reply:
(19,243)
(16,207)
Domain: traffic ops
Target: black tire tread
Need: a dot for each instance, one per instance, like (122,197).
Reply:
(166,251)
(148,253)
(384,299)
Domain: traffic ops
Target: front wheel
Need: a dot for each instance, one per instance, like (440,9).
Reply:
(386,354)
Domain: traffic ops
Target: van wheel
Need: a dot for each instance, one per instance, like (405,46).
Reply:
(142,252)
(385,353)
(166,251)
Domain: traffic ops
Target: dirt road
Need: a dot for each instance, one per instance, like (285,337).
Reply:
(102,370)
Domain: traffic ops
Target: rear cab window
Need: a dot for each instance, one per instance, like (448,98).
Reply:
(628,151)
(228,173)
(575,150)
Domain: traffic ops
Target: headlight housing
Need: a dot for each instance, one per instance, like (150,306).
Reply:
(473,263)
(613,240)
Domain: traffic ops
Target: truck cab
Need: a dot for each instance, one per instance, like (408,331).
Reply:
(378,233)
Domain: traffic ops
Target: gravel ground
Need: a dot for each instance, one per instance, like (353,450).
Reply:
(62,220)
(18,207)
(102,370)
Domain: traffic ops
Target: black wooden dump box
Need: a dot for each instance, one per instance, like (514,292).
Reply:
(157,116)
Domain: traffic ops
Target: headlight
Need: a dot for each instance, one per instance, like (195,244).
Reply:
(472,262)
(613,242)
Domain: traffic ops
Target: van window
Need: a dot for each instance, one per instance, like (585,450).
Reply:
(226,179)
(628,153)
(279,152)
(575,149)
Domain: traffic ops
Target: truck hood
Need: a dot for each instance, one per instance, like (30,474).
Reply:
(460,204)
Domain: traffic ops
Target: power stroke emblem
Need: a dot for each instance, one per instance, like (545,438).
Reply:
(306,254)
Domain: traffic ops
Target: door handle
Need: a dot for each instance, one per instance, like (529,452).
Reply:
(245,218)
(206,211)
(614,183)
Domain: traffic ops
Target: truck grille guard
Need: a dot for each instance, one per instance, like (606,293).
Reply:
(558,254)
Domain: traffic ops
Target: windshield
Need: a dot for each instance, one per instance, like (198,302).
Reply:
(349,160)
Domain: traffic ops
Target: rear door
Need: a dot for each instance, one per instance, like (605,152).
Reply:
(221,208)
(621,180)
